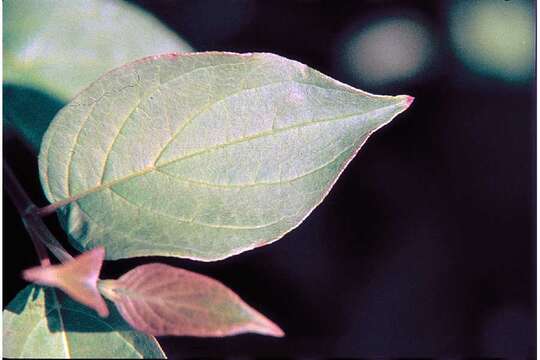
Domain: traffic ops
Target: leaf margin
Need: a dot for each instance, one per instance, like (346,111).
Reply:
(403,102)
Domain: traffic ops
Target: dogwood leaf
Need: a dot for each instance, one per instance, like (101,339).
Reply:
(159,299)
(61,46)
(45,323)
(202,155)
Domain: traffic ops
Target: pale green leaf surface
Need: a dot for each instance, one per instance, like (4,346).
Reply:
(202,155)
(61,46)
(44,323)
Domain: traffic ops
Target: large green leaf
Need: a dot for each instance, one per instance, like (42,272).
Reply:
(61,46)
(202,155)
(45,323)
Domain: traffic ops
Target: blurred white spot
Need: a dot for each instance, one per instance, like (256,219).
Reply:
(495,38)
(32,50)
(388,51)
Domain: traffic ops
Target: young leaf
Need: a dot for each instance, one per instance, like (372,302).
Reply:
(61,46)
(78,278)
(202,155)
(163,300)
(45,323)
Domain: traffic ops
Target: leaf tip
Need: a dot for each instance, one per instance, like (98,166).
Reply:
(264,326)
(101,308)
(98,253)
(407,100)
(40,275)
(275,331)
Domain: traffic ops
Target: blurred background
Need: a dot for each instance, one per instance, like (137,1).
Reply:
(425,246)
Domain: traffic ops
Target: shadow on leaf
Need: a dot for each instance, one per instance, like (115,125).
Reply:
(29,112)
(65,314)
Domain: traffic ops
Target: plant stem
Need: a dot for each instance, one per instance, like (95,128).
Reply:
(51,208)
(39,233)
(34,224)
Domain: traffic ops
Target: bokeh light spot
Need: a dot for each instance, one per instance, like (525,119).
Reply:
(494,38)
(388,51)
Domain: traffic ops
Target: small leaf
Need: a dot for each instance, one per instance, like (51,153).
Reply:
(77,278)
(202,155)
(61,46)
(163,300)
(45,323)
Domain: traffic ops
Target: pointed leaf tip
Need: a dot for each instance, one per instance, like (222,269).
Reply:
(266,327)
(405,101)
(77,278)
(159,300)
(409,100)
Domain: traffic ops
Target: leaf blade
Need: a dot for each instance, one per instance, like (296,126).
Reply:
(42,322)
(77,41)
(159,300)
(208,154)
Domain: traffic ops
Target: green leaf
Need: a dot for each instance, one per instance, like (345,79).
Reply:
(161,300)
(45,323)
(202,155)
(61,46)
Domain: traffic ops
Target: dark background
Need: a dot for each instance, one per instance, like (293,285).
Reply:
(425,246)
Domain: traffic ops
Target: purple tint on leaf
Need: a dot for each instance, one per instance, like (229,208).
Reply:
(163,300)
(77,278)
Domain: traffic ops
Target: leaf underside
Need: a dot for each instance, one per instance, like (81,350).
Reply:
(202,155)
(61,46)
(163,300)
(42,322)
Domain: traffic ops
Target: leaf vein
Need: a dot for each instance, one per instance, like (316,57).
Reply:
(260,183)
(72,198)
(191,221)
(207,108)
(140,100)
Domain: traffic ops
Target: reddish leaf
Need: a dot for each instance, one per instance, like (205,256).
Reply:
(163,300)
(77,278)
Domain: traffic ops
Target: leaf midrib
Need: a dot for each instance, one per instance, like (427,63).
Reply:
(61,320)
(132,295)
(72,198)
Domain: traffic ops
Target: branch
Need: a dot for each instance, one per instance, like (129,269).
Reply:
(39,233)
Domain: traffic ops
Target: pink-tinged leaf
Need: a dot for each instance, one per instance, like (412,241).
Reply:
(77,278)
(163,300)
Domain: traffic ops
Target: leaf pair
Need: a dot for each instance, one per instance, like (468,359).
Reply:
(156,299)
